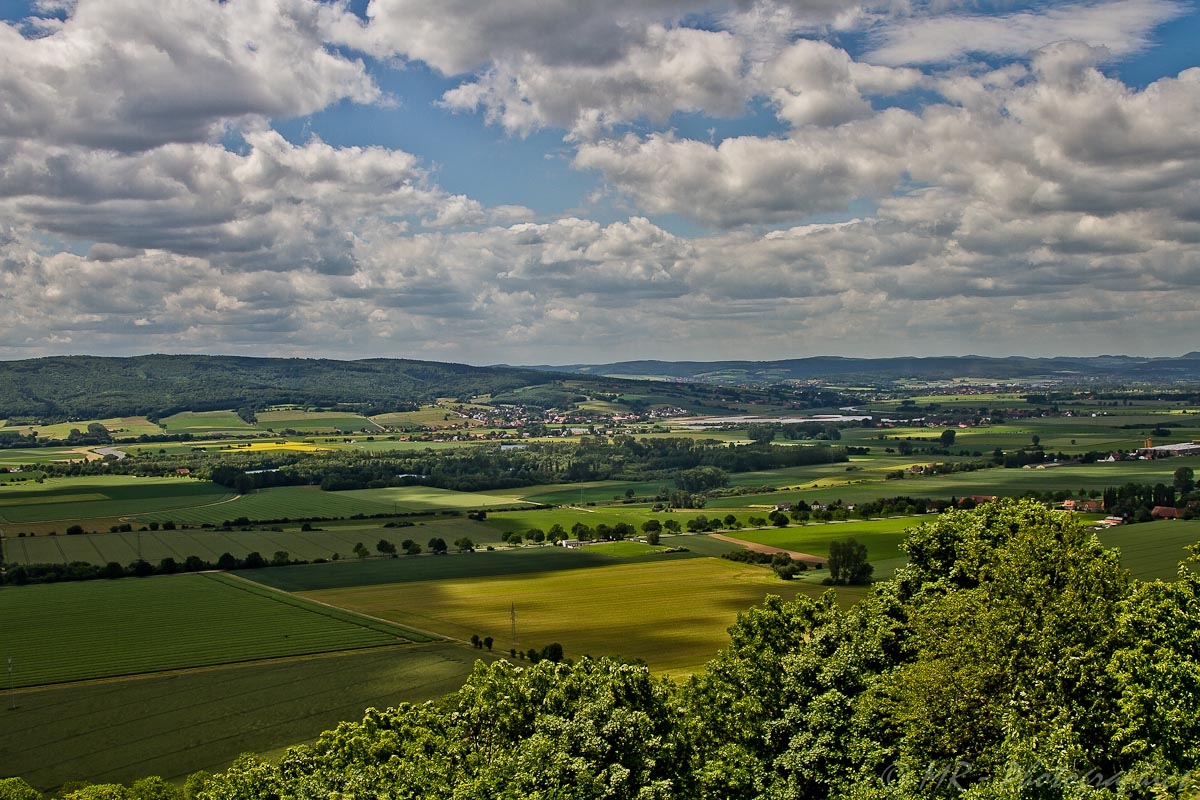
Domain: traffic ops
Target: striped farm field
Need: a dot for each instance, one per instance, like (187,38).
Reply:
(672,614)
(95,629)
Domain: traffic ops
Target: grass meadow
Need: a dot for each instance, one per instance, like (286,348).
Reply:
(173,724)
(96,629)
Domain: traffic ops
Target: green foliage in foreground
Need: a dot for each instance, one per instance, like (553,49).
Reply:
(1011,658)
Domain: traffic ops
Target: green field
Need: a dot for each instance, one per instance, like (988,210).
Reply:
(881,536)
(314,421)
(153,546)
(869,484)
(672,614)
(204,423)
(17,457)
(1153,549)
(460,566)
(173,724)
(75,631)
(309,502)
(119,427)
(103,496)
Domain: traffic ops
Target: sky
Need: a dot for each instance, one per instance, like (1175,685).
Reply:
(587,181)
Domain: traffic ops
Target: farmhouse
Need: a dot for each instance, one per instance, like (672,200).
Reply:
(1164,512)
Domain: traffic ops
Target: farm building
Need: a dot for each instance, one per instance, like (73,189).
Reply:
(1164,512)
(1181,449)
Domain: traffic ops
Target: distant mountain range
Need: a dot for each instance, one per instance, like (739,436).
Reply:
(1171,369)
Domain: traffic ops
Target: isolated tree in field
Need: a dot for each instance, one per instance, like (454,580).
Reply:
(947,437)
(848,563)
(1185,480)
(654,537)
(464,545)
(437,545)
(361,550)
(651,526)
(672,525)
(384,546)
(488,642)
(476,642)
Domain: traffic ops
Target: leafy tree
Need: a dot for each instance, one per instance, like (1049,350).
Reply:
(437,545)
(848,562)
(654,537)
(254,560)
(760,433)
(701,479)
(464,545)
(17,789)
(226,561)
(1184,480)
(947,437)
(487,642)
(385,547)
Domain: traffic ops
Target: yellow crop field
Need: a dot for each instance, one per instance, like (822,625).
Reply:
(672,614)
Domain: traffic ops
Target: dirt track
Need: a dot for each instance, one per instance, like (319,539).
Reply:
(763,548)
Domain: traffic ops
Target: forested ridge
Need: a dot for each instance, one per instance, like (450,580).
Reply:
(93,387)
(1011,658)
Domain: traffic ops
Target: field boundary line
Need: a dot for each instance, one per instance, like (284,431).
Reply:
(254,587)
